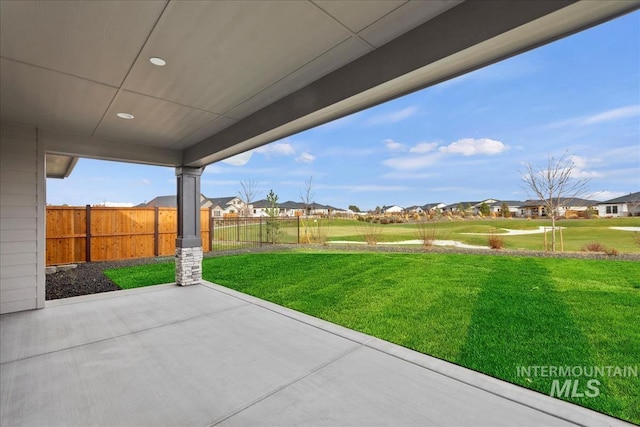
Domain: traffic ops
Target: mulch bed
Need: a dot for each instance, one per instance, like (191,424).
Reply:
(88,278)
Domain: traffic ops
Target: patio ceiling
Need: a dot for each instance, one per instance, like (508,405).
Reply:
(241,74)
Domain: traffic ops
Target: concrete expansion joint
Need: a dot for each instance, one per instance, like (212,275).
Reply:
(288,384)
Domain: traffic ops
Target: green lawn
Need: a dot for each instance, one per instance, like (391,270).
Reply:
(491,314)
(576,232)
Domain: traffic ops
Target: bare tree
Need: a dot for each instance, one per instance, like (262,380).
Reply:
(552,184)
(247,194)
(307,195)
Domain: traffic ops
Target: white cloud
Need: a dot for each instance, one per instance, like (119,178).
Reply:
(350,152)
(580,165)
(411,162)
(277,148)
(305,158)
(409,175)
(365,188)
(394,116)
(393,145)
(605,195)
(472,147)
(145,182)
(605,116)
(617,113)
(423,147)
(239,159)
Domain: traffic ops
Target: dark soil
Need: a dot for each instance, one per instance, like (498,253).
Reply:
(88,278)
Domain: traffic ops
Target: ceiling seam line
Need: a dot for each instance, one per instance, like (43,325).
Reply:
(59,72)
(353,33)
(285,76)
(384,16)
(124,79)
(173,102)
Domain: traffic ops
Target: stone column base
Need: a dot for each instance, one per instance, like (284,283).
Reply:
(188,266)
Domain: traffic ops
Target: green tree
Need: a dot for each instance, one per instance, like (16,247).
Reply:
(354,208)
(273,225)
(504,210)
(485,210)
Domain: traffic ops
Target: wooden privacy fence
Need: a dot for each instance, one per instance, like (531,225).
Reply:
(114,233)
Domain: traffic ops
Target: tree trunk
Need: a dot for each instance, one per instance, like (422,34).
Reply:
(553,232)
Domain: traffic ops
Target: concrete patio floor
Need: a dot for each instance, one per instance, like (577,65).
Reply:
(205,355)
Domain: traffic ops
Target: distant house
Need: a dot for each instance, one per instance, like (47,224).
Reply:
(513,205)
(227,206)
(432,207)
(414,209)
(170,202)
(291,208)
(628,205)
(464,206)
(392,210)
(259,208)
(535,208)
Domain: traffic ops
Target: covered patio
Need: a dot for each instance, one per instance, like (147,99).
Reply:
(206,355)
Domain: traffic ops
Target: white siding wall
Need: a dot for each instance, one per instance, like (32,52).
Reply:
(22,212)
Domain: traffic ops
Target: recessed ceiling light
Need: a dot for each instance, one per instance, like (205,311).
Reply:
(125,116)
(158,61)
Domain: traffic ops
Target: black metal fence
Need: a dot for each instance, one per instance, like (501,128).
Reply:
(241,232)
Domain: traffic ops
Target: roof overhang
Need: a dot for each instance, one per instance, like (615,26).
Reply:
(59,166)
(280,68)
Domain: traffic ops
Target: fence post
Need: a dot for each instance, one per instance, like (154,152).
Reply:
(87,249)
(156,231)
(298,217)
(210,229)
(237,228)
(260,231)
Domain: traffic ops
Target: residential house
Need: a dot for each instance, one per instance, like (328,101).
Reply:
(433,207)
(392,210)
(536,208)
(259,208)
(464,206)
(291,208)
(628,205)
(228,206)
(415,209)
(170,202)
(513,205)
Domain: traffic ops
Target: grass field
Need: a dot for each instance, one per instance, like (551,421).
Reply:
(576,233)
(491,314)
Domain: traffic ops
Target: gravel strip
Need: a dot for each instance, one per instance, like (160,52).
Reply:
(88,278)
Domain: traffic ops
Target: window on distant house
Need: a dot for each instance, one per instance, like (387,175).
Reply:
(612,209)
(255,211)
(217,213)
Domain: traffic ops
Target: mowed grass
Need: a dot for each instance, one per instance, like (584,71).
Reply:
(491,314)
(576,233)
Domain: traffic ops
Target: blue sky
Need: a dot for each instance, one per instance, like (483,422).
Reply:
(465,139)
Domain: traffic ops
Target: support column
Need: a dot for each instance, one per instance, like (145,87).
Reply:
(189,241)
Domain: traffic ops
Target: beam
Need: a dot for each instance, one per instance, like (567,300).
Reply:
(76,145)
(467,37)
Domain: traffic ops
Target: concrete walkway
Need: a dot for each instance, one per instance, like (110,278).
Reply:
(205,355)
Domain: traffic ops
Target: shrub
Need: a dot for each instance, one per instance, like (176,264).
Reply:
(384,220)
(611,251)
(495,241)
(427,232)
(370,232)
(594,247)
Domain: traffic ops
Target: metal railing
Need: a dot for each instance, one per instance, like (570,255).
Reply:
(247,232)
